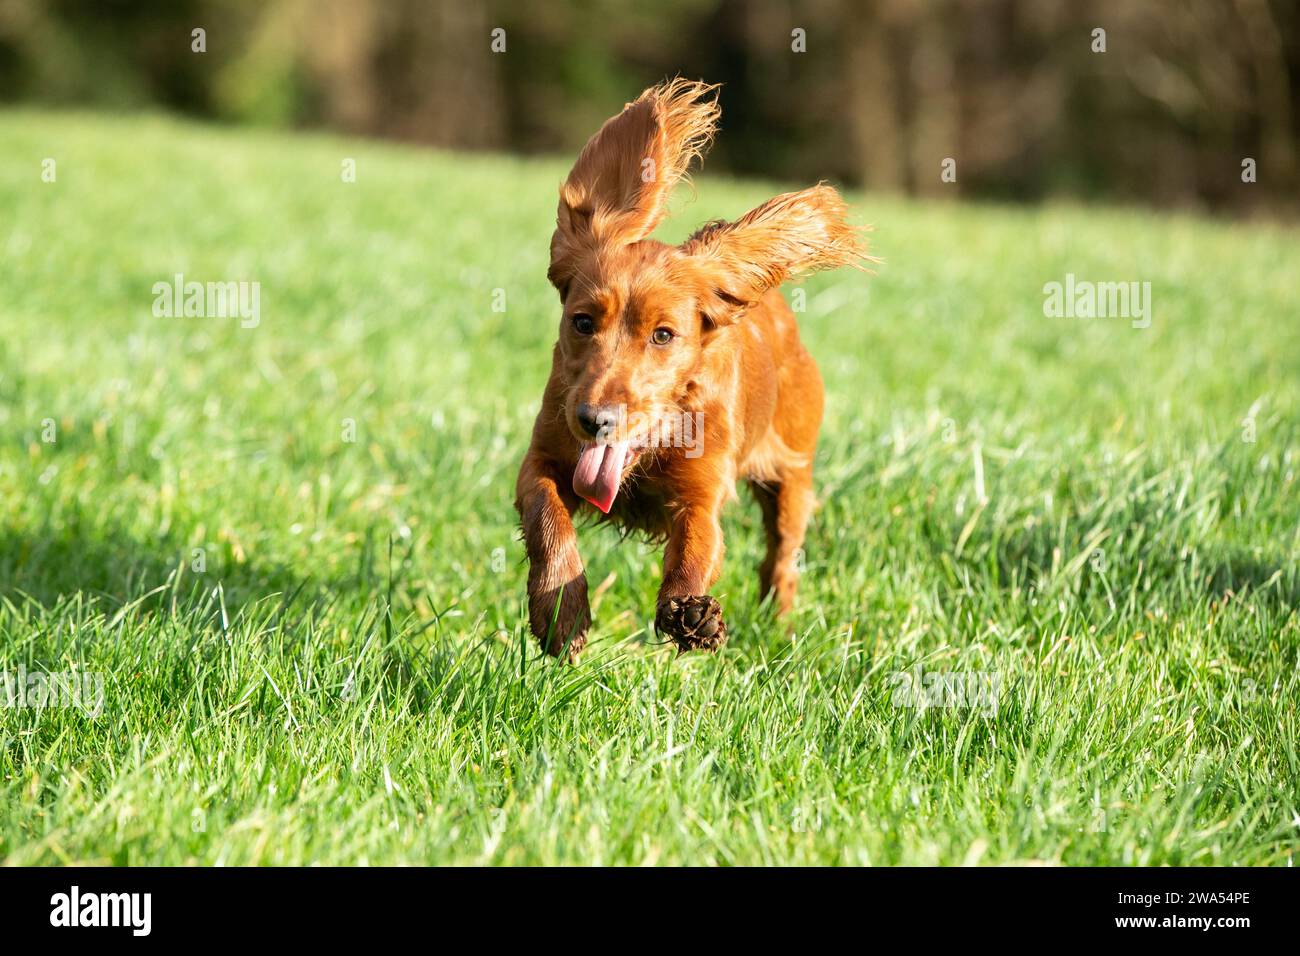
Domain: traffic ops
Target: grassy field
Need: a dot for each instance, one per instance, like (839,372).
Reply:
(1098,521)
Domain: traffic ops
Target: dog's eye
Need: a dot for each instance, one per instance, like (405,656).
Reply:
(583,324)
(661,336)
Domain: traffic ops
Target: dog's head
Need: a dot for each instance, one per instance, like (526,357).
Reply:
(639,315)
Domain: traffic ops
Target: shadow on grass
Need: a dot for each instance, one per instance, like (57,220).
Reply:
(1195,574)
(111,565)
(1238,572)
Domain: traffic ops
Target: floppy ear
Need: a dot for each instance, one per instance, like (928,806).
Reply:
(789,235)
(617,188)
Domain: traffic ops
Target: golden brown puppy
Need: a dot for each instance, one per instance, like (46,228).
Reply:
(678,370)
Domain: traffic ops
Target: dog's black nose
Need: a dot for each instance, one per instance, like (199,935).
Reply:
(593,418)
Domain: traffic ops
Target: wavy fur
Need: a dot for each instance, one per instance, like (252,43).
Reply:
(732,361)
(618,189)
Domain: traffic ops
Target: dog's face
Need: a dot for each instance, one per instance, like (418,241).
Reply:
(639,316)
(631,336)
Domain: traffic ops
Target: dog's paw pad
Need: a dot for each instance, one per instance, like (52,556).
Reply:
(692,623)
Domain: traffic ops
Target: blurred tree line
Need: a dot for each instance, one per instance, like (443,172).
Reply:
(875,93)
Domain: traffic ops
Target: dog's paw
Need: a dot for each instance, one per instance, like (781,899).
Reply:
(559,618)
(692,623)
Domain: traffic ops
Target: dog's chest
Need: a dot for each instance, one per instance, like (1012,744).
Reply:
(642,508)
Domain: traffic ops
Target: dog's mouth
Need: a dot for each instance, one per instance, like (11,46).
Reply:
(600,470)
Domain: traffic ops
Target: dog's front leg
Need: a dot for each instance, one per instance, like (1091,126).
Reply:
(558,614)
(686,612)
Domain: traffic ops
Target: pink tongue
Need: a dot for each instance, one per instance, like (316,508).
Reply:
(599,471)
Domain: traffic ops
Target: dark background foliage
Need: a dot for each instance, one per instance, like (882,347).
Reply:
(885,91)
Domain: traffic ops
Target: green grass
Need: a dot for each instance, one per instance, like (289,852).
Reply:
(349,680)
